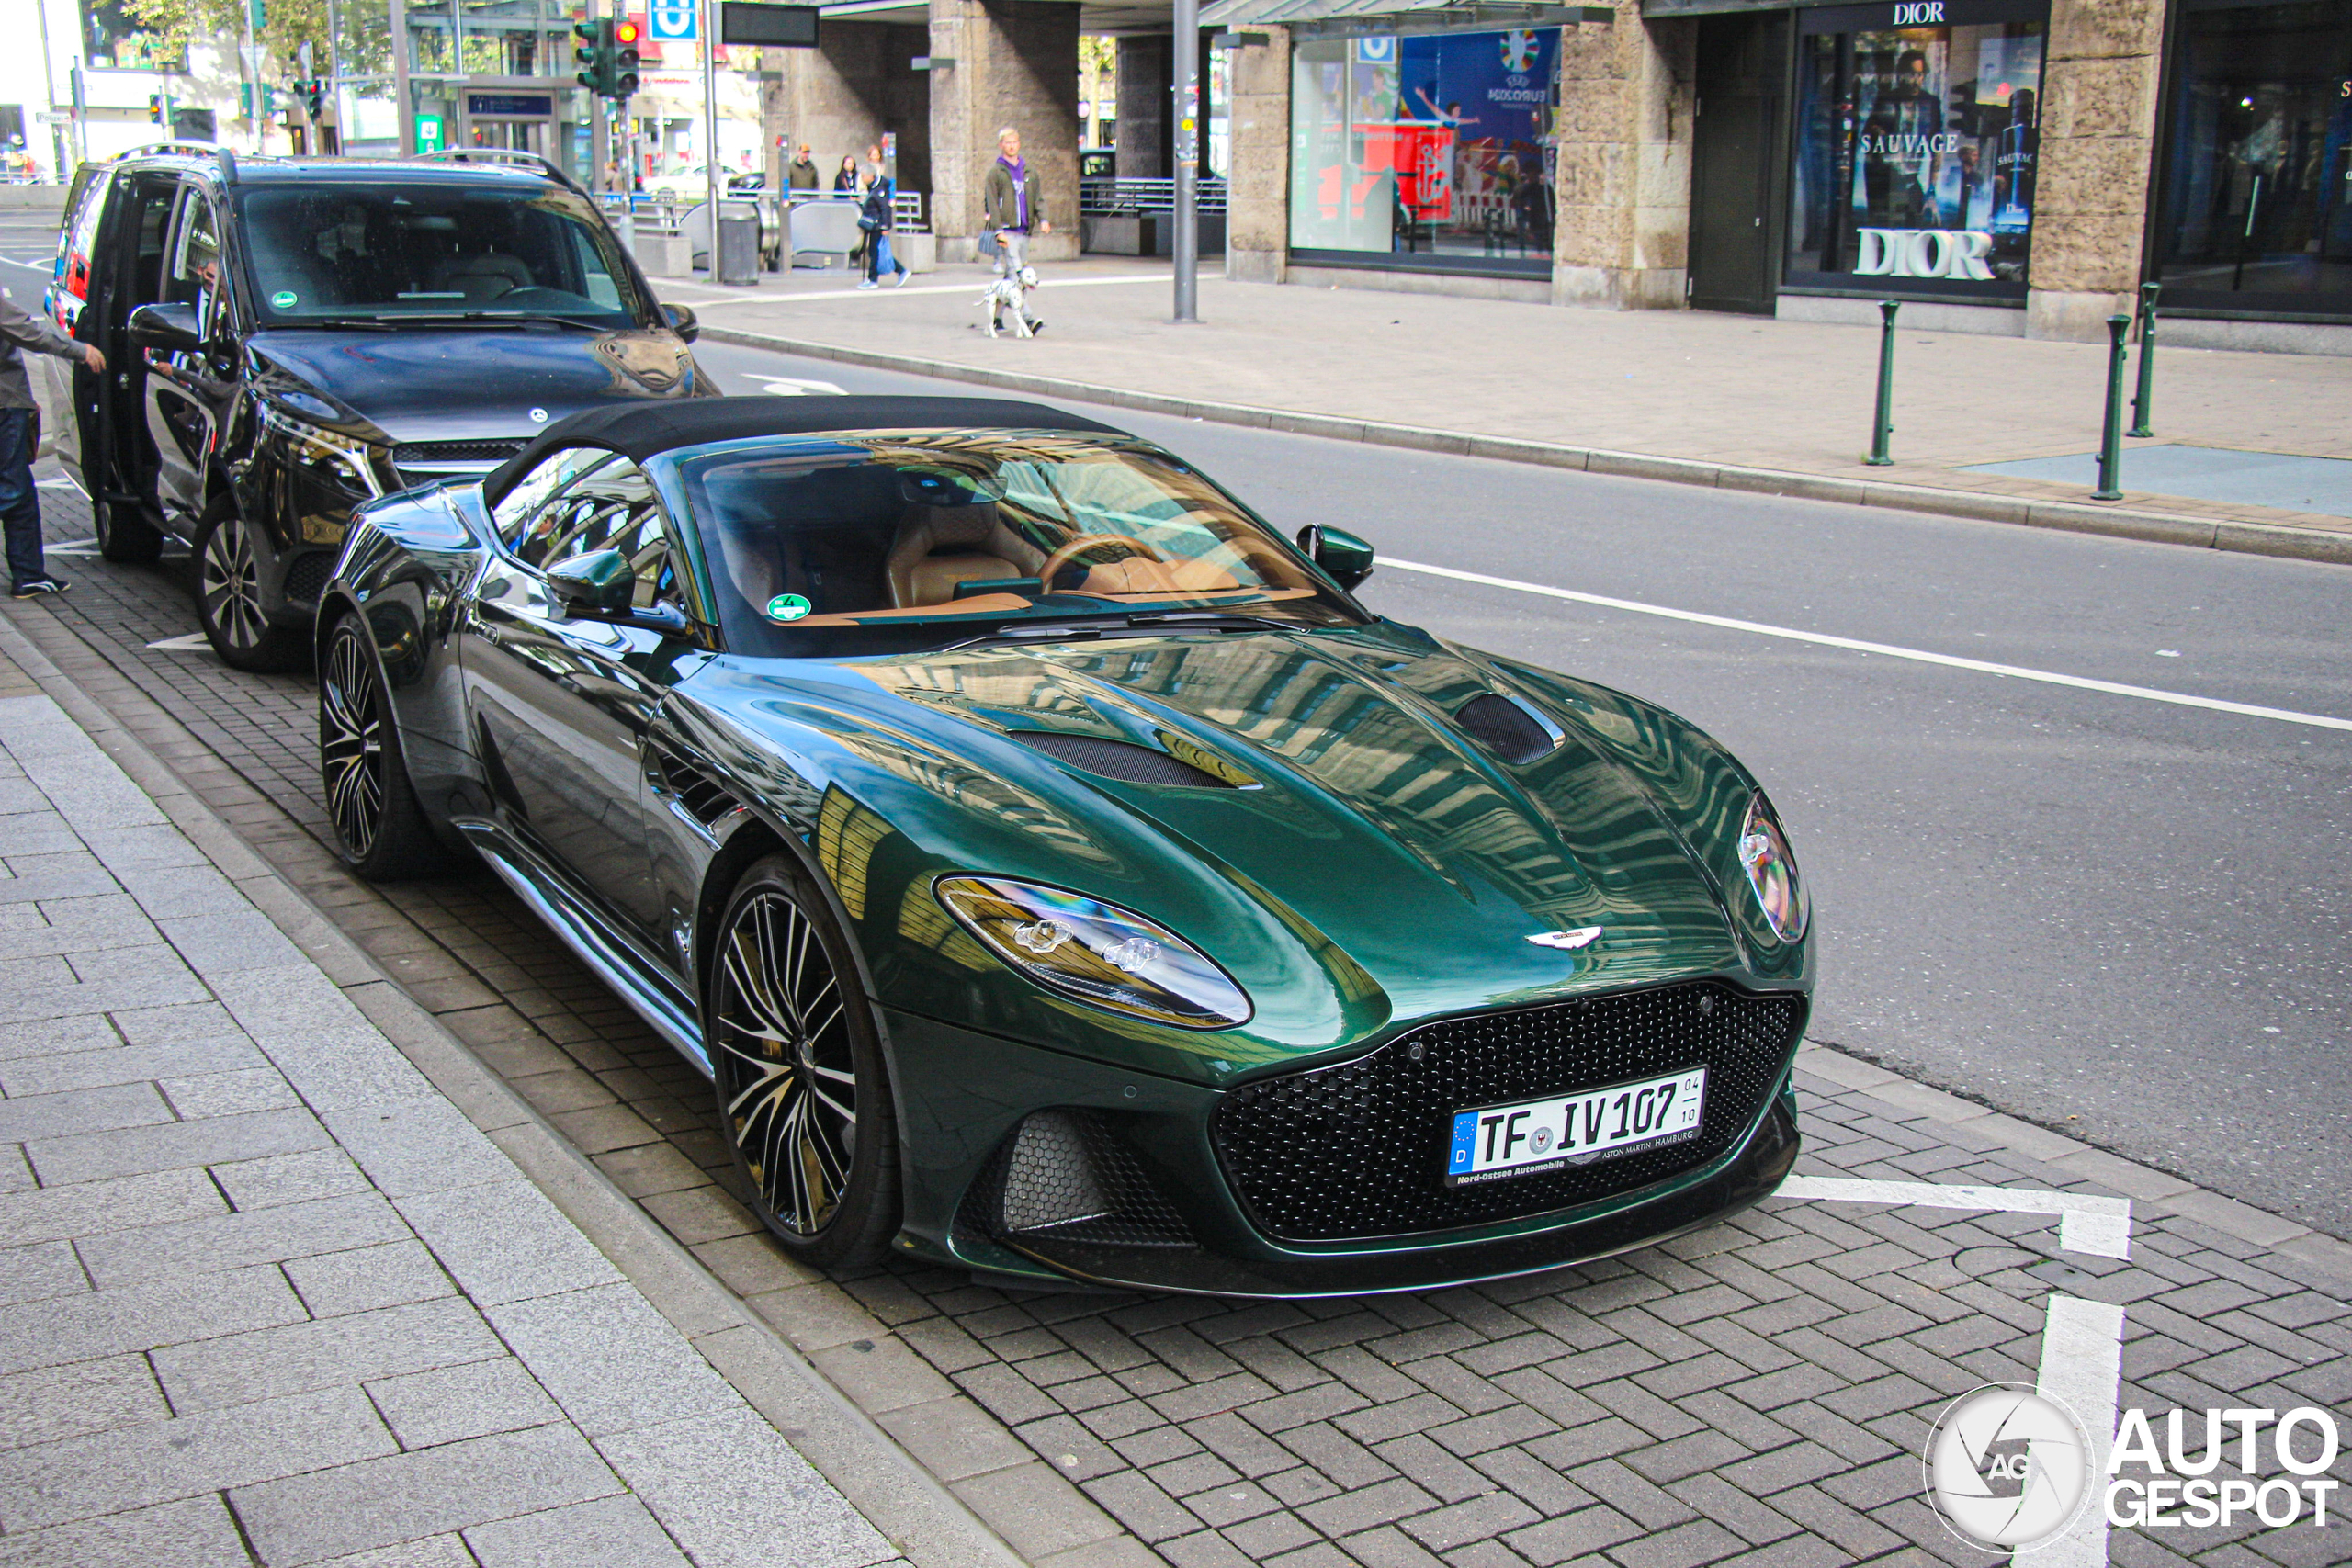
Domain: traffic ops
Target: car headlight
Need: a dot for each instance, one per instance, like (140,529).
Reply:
(343,459)
(1095,952)
(1772,871)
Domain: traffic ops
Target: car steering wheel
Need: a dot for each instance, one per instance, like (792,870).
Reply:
(1061,557)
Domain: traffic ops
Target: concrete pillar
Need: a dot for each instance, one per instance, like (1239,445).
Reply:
(2091,189)
(1147,80)
(1258,189)
(1624,176)
(841,99)
(1017,63)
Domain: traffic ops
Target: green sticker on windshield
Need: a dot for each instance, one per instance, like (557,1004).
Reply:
(282,301)
(788,607)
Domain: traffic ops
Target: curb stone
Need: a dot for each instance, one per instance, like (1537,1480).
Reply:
(919,1515)
(2241,536)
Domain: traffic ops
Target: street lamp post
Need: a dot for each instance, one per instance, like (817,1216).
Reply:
(1186,45)
(712,182)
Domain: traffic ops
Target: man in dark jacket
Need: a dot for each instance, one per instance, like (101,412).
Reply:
(19,503)
(803,174)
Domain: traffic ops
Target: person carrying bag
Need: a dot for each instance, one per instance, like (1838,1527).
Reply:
(874,222)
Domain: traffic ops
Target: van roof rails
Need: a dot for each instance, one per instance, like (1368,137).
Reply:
(199,149)
(547,166)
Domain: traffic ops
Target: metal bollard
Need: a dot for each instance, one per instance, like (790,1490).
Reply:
(1883,428)
(2110,441)
(2144,401)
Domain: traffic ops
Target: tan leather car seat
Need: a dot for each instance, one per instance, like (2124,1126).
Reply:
(482,276)
(939,546)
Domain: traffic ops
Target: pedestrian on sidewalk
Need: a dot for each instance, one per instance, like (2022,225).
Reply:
(19,422)
(845,180)
(802,174)
(873,219)
(1010,207)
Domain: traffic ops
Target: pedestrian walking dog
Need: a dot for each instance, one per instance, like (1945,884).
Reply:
(1009,295)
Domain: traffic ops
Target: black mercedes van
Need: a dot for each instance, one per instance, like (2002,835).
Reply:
(287,338)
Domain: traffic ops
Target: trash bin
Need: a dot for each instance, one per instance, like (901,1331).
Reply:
(738,243)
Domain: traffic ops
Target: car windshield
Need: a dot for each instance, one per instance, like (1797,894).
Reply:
(904,539)
(426,248)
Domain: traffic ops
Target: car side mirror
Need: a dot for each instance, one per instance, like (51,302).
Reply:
(168,328)
(1344,557)
(597,586)
(682,322)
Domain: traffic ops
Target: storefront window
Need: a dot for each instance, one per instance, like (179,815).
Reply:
(1428,151)
(1915,147)
(2258,190)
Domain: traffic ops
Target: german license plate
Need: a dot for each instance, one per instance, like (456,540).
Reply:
(1495,1141)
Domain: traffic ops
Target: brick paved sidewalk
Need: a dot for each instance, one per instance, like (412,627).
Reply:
(1701,388)
(268,1295)
(1751,1394)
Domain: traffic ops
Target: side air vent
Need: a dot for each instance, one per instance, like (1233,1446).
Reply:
(1508,729)
(1065,1175)
(1119,760)
(693,793)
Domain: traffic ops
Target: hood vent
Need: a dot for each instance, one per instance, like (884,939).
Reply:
(1507,727)
(1118,760)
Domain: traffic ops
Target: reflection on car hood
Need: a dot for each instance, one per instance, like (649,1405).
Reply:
(444,383)
(1370,816)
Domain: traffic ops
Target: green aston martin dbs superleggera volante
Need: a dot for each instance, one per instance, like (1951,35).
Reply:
(1060,874)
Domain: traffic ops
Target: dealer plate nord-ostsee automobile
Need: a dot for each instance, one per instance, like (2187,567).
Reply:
(1495,1141)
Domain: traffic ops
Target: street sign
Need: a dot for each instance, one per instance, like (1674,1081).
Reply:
(673,24)
(775,27)
(432,133)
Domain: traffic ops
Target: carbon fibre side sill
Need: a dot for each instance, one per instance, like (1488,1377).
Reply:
(613,956)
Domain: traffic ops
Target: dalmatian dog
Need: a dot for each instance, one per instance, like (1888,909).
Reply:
(1010,295)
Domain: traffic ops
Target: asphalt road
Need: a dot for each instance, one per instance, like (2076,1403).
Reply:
(2116,915)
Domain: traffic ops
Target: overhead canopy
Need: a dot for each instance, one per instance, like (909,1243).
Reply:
(1310,17)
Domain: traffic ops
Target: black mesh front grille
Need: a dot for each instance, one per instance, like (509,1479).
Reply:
(1065,1176)
(1359,1149)
(306,575)
(1119,760)
(492,452)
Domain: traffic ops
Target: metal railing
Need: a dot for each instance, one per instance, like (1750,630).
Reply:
(1102,196)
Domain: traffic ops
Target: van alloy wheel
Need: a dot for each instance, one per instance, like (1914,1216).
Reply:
(229,585)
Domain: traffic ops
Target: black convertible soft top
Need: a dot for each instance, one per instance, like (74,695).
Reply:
(641,429)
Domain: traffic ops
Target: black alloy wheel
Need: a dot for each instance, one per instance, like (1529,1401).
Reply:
(124,536)
(379,830)
(799,1073)
(228,598)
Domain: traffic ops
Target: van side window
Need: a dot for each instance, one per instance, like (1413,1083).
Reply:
(193,275)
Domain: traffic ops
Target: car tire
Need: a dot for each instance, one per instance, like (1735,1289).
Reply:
(803,1096)
(379,828)
(227,599)
(125,537)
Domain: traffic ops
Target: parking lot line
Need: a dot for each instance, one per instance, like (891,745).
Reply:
(1856,644)
(2087,1222)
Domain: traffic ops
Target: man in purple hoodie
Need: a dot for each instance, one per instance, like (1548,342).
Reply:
(1009,204)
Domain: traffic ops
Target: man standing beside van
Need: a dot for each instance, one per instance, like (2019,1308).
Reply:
(19,503)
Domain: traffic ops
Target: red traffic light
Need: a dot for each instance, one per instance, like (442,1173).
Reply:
(625,32)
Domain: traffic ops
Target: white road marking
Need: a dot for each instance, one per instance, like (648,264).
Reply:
(78,547)
(1823,639)
(795,387)
(194,642)
(2082,1369)
(2087,1222)
(60,482)
(974,289)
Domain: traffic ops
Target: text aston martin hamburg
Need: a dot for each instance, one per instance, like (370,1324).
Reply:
(1060,874)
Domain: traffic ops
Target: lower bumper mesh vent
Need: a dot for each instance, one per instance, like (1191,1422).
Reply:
(1065,1175)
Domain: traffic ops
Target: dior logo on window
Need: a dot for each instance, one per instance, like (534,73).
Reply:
(1925,14)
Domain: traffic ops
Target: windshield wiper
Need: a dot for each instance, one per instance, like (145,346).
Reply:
(1110,625)
(340,323)
(500,318)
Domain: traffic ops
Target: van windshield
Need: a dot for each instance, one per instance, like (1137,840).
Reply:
(432,248)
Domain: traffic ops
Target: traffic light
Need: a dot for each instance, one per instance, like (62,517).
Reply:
(594,52)
(155,108)
(625,59)
(313,91)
